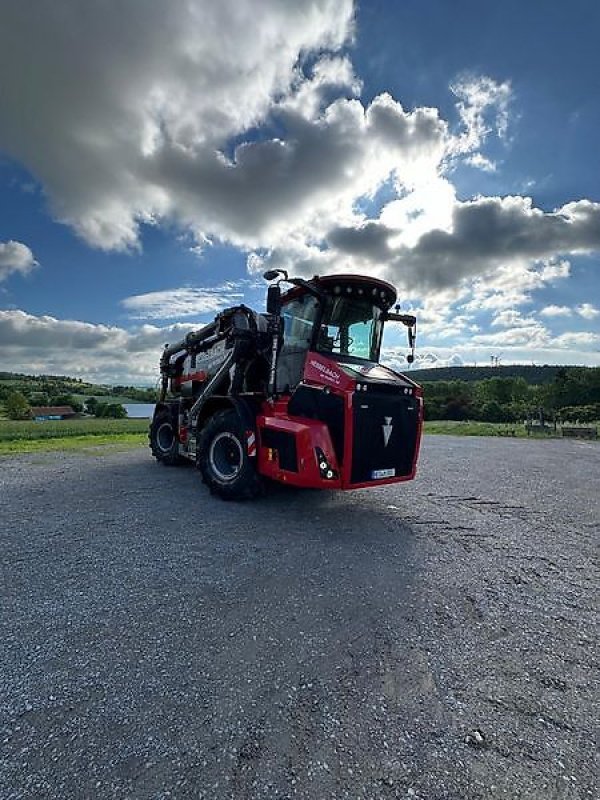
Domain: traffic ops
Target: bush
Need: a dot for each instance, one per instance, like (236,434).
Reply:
(109,410)
(588,413)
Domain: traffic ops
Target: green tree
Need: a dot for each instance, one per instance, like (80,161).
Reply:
(110,411)
(493,412)
(91,405)
(16,406)
(67,400)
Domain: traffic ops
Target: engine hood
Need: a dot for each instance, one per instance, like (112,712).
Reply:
(341,374)
(374,373)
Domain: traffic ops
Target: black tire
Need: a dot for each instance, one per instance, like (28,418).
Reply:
(163,439)
(223,459)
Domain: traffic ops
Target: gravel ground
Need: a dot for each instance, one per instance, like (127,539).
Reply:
(433,640)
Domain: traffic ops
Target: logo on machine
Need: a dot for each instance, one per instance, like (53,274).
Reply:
(326,372)
(387,428)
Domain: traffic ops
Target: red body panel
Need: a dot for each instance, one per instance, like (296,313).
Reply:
(322,371)
(310,434)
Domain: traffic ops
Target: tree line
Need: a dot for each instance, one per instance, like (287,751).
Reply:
(19,393)
(17,406)
(573,395)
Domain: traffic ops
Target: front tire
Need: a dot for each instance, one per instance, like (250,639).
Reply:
(223,459)
(164,442)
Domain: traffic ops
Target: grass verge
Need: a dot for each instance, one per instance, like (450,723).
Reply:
(27,437)
(125,440)
(451,428)
(11,431)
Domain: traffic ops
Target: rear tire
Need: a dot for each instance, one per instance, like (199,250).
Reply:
(223,458)
(164,442)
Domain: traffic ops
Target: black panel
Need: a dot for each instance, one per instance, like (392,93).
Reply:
(324,406)
(371,411)
(285,444)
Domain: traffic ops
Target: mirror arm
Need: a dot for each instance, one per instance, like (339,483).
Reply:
(410,321)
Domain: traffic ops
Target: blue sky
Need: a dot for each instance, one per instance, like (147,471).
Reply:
(154,160)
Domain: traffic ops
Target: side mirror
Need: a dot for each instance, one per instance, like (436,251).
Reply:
(410,322)
(273,299)
(406,319)
(271,274)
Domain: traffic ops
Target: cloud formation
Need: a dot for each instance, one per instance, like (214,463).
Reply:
(45,345)
(256,135)
(115,93)
(484,234)
(183,302)
(15,257)
(252,134)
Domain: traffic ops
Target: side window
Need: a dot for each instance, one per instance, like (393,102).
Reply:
(298,319)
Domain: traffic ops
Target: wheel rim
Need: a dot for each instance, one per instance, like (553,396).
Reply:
(165,437)
(225,456)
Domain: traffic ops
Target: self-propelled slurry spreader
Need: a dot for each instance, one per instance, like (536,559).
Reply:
(296,394)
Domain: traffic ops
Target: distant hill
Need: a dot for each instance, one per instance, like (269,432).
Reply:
(532,374)
(36,387)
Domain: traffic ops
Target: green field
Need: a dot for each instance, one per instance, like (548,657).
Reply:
(449,427)
(21,437)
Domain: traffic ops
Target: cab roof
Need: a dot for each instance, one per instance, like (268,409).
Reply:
(380,292)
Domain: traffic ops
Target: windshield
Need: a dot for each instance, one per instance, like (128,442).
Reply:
(351,327)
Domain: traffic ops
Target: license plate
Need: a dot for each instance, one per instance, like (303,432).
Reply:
(376,474)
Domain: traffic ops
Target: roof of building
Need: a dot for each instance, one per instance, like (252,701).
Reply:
(53,411)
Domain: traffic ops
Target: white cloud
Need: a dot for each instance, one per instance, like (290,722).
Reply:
(485,235)
(183,302)
(481,162)
(565,351)
(46,345)
(510,318)
(587,311)
(111,97)
(329,77)
(556,311)
(483,106)
(171,116)
(578,339)
(15,257)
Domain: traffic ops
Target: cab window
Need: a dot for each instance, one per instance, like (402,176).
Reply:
(298,321)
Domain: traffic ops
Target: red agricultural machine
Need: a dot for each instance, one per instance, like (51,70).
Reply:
(295,395)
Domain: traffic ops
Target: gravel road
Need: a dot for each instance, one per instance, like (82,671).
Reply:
(434,640)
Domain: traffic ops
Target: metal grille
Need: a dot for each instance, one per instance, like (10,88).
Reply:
(378,416)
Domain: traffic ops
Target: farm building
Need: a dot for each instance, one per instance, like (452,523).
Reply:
(41,413)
